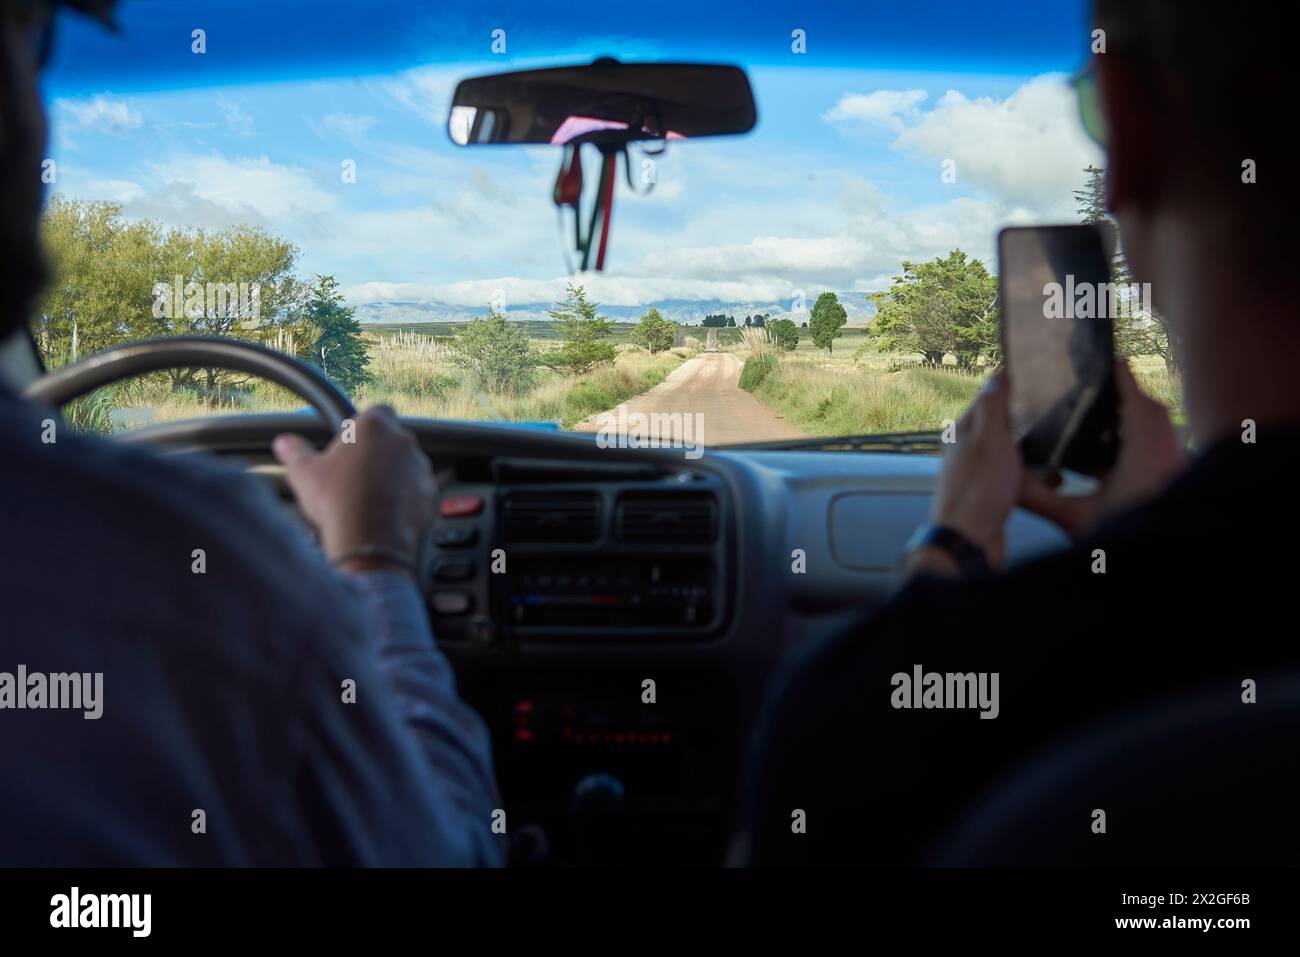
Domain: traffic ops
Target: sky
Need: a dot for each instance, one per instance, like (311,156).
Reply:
(840,182)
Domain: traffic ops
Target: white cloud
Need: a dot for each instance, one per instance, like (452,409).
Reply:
(114,190)
(763,255)
(1028,148)
(427,91)
(862,245)
(102,113)
(888,107)
(355,130)
(212,191)
(861,237)
(237,118)
(346,126)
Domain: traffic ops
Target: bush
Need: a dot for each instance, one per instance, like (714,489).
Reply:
(497,354)
(757,368)
(584,331)
(654,332)
(785,334)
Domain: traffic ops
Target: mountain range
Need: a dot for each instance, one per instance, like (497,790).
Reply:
(682,311)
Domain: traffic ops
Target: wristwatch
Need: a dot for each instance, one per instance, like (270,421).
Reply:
(971,560)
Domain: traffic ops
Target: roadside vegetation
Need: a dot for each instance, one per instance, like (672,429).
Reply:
(887,392)
(760,360)
(417,375)
(842,397)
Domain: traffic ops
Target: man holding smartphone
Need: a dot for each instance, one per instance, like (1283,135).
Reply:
(1173,583)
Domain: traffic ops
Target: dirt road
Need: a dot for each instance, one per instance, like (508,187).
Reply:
(709,385)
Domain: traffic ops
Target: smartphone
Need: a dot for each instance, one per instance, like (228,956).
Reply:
(1058,344)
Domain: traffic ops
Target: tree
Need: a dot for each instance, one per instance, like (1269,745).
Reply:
(228,265)
(760,321)
(1090,202)
(103,271)
(497,354)
(947,305)
(717,321)
(338,349)
(115,281)
(785,334)
(749,321)
(654,332)
(585,332)
(828,316)
(1138,331)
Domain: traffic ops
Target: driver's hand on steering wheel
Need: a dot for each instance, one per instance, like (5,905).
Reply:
(371,499)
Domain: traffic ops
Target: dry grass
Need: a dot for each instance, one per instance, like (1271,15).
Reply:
(829,398)
(816,393)
(882,393)
(756,342)
(413,374)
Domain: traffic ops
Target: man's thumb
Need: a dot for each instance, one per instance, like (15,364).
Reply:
(292,450)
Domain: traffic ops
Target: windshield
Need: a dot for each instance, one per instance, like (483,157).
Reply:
(283,173)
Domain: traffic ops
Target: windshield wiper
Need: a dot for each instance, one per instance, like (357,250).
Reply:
(920,442)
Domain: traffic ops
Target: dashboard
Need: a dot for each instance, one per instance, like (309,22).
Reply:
(616,614)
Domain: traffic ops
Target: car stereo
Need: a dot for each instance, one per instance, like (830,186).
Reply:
(626,591)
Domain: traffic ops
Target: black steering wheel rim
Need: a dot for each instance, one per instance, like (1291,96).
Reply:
(212,352)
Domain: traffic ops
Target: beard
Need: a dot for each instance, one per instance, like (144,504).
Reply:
(24,270)
(23,275)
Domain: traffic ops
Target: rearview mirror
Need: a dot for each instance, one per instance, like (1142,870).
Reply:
(606,103)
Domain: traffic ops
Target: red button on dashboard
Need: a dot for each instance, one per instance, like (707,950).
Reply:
(460,506)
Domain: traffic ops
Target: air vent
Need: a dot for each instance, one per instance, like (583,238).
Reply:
(552,517)
(666,519)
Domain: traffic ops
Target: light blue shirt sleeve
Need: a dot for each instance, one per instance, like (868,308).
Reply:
(451,735)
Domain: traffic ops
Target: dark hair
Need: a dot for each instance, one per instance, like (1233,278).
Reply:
(24,271)
(1231,68)
(1231,64)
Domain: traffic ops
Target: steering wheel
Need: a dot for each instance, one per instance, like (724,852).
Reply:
(210,352)
(155,355)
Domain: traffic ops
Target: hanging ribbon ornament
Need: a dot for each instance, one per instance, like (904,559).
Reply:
(567,194)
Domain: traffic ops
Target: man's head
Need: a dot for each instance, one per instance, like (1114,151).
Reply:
(1191,95)
(25,27)
(22,147)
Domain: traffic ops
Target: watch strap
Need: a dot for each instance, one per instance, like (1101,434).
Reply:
(971,560)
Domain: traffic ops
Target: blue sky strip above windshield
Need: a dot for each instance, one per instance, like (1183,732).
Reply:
(259,41)
(837,185)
